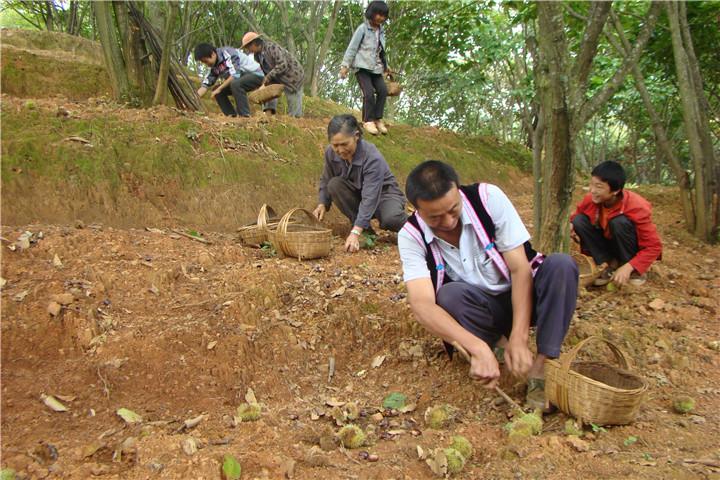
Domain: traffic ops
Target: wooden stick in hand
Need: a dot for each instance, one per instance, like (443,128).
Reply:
(464,353)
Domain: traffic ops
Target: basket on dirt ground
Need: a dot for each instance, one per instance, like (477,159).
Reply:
(394,89)
(266,93)
(589,270)
(254,234)
(594,392)
(301,240)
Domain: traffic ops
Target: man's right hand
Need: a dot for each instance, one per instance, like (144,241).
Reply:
(343,72)
(319,212)
(484,367)
(574,235)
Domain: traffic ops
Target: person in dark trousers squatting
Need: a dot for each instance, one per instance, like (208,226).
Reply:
(358,179)
(239,72)
(366,56)
(279,66)
(614,226)
(473,278)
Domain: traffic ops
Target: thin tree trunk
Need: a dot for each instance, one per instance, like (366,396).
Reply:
(324,47)
(162,82)
(696,126)
(285,22)
(664,148)
(72,18)
(49,20)
(111,49)
(133,52)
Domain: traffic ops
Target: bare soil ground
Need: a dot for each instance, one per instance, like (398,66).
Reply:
(171,328)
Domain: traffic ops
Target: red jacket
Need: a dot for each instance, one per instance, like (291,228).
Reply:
(637,210)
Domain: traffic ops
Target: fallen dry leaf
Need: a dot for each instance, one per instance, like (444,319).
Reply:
(657,304)
(53,403)
(578,444)
(377,361)
(250,396)
(338,292)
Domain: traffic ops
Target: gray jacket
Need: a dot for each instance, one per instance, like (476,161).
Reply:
(362,50)
(368,172)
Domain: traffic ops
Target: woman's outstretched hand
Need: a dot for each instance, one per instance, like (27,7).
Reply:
(319,212)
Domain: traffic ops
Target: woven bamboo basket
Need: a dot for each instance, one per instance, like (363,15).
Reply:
(301,240)
(589,270)
(595,392)
(394,89)
(266,93)
(254,234)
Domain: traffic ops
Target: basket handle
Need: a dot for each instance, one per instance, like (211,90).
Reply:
(285,220)
(266,212)
(569,358)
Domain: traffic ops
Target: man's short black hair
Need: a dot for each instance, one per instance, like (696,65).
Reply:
(375,8)
(611,173)
(203,50)
(258,41)
(430,180)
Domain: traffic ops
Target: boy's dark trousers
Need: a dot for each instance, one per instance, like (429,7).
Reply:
(238,88)
(621,246)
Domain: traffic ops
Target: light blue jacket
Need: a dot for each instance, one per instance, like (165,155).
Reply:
(361,52)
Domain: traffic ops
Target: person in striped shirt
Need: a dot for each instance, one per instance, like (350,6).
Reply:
(239,73)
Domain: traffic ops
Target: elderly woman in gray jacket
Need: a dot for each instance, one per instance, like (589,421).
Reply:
(366,56)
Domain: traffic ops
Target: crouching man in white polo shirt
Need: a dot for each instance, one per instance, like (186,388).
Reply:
(473,278)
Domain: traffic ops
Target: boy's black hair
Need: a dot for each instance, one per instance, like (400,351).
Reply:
(430,180)
(258,41)
(611,173)
(377,7)
(203,50)
(345,123)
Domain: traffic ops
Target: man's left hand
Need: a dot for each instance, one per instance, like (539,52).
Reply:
(214,93)
(352,243)
(622,274)
(518,357)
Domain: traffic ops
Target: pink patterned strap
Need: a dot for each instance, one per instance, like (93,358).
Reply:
(488,244)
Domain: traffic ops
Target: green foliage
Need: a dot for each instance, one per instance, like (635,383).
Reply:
(630,440)
(597,428)
(395,400)
(231,468)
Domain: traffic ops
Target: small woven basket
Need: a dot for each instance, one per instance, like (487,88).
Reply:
(254,234)
(589,270)
(301,240)
(394,89)
(266,93)
(595,392)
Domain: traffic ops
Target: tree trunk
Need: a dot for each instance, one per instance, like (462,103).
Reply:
(111,49)
(697,127)
(72,23)
(556,177)
(162,82)
(133,52)
(664,148)
(317,11)
(49,18)
(285,22)
(324,47)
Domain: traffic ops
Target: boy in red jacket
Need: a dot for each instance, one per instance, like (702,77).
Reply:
(614,227)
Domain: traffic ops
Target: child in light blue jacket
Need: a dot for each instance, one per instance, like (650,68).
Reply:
(366,56)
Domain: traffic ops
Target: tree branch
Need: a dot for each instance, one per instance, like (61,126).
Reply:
(599,12)
(591,106)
